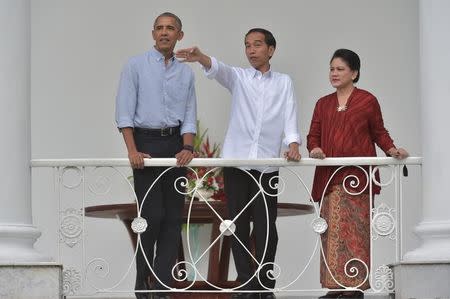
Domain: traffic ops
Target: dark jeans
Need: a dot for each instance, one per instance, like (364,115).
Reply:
(162,208)
(240,188)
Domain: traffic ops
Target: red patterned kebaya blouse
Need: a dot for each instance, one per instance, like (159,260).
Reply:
(352,132)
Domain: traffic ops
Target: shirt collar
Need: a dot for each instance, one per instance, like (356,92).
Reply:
(259,75)
(158,56)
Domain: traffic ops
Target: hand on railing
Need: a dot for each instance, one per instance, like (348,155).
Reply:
(398,153)
(293,154)
(317,153)
(184,157)
(137,159)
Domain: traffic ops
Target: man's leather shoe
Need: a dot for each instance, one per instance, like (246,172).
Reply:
(141,295)
(342,294)
(141,285)
(331,294)
(267,296)
(352,294)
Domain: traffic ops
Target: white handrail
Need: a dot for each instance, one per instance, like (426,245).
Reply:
(278,162)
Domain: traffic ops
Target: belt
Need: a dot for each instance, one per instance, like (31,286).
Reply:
(159,132)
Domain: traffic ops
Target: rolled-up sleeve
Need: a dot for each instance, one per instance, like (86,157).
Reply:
(126,98)
(190,117)
(291,133)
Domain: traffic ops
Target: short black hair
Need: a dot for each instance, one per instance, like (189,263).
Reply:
(268,36)
(169,14)
(350,58)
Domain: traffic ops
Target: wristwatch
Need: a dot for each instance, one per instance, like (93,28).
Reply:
(188,148)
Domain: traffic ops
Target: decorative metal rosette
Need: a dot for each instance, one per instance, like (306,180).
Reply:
(227,227)
(319,225)
(71,177)
(101,186)
(71,227)
(139,225)
(71,281)
(384,279)
(383,222)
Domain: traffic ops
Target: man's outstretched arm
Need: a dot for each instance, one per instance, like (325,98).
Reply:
(194,55)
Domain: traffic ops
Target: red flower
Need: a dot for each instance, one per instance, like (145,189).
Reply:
(203,149)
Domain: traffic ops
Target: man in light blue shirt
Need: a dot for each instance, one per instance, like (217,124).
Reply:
(156,113)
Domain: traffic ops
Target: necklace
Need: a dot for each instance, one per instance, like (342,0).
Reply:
(341,108)
(346,94)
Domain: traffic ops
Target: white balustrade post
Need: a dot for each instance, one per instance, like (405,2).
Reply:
(432,258)
(22,270)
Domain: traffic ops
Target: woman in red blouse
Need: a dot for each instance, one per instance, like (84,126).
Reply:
(346,123)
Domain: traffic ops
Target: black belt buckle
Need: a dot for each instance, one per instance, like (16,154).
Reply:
(166,132)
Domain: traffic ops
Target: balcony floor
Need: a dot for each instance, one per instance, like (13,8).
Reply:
(227,296)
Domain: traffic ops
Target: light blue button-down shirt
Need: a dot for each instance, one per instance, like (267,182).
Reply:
(155,95)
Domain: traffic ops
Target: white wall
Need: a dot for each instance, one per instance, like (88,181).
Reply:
(79,48)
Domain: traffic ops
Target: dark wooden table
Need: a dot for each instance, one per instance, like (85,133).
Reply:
(219,255)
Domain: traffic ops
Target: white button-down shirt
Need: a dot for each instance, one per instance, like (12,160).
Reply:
(263,112)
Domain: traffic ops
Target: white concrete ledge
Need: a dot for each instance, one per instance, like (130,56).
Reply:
(422,280)
(37,281)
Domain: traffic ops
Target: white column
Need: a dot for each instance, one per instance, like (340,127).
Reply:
(434,230)
(17,234)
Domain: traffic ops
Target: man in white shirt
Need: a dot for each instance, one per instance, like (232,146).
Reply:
(263,115)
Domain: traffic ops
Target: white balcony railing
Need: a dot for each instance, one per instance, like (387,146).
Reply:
(75,202)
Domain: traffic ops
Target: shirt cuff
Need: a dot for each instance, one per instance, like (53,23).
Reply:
(125,124)
(212,71)
(292,138)
(188,128)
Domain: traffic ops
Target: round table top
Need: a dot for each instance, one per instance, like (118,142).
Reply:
(200,210)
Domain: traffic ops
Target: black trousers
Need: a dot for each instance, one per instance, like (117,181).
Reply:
(240,188)
(162,208)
